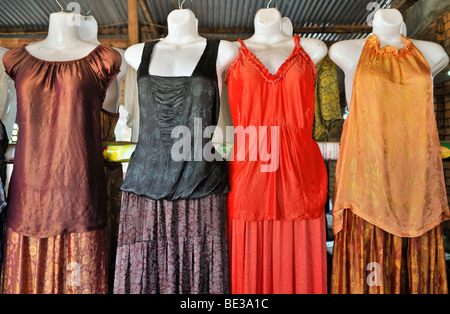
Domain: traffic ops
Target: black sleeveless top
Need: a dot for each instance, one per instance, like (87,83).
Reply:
(176,115)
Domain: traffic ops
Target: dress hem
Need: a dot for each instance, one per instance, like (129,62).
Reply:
(44,235)
(338,223)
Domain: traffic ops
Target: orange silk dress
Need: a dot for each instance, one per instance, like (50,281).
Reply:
(276,207)
(390,169)
(390,194)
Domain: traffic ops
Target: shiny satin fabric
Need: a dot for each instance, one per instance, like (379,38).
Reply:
(368,260)
(297,188)
(389,170)
(278,257)
(58,182)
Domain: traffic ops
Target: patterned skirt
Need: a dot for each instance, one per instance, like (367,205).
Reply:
(72,263)
(167,247)
(368,260)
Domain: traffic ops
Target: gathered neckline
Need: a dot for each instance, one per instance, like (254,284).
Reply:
(262,69)
(388,48)
(67,61)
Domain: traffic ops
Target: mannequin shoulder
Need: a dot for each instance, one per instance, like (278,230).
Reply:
(228,52)
(2,51)
(133,55)
(346,53)
(315,48)
(123,67)
(434,53)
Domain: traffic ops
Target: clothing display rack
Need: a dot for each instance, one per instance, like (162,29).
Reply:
(212,147)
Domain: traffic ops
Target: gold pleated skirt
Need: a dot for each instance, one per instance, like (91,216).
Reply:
(73,263)
(368,260)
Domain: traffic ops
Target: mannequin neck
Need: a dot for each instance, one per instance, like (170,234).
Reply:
(61,34)
(387,25)
(268,26)
(88,29)
(182,26)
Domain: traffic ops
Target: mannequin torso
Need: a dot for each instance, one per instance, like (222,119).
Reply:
(88,31)
(63,42)
(179,52)
(388,28)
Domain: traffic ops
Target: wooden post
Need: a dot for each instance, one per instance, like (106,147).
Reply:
(145,8)
(133,22)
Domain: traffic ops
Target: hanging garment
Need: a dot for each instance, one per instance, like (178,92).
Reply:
(131,103)
(328,102)
(57,193)
(276,224)
(160,249)
(114,180)
(389,172)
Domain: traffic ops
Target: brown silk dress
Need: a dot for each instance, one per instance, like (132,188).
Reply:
(56,219)
(390,195)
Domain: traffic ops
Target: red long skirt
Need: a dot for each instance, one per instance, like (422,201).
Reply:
(277,257)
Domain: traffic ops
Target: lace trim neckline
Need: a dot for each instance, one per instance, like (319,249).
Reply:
(282,70)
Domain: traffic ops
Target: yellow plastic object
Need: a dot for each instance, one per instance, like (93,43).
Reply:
(225,150)
(122,151)
(445,152)
(118,151)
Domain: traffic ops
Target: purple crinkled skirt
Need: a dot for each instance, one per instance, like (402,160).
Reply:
(172,247)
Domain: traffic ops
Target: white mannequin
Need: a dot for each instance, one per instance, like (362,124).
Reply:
(88,30)
(63,42)
(387,25)
(180,51)
(287,26)
(8,104)
(273,47)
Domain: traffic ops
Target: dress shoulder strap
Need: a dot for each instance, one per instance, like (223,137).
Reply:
(146,55)
(207,65)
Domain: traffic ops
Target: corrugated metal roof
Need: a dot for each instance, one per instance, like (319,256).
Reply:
(212,14)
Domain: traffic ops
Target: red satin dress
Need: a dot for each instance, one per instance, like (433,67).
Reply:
(276,225)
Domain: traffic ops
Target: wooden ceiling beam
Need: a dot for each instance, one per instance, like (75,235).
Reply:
(149,29)
(146,9)
(16,42)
